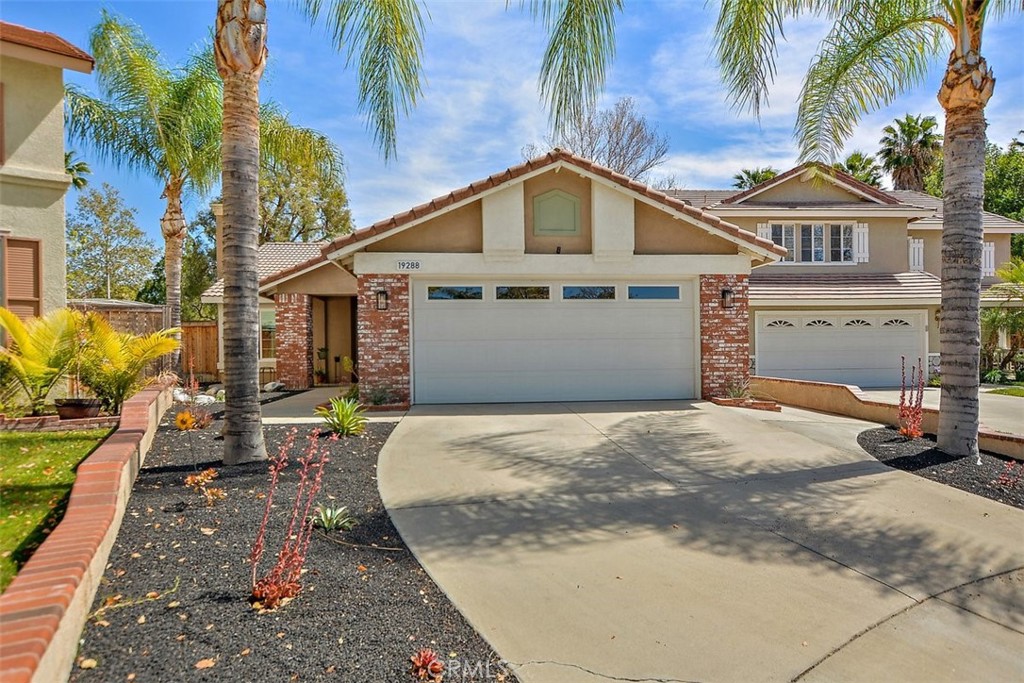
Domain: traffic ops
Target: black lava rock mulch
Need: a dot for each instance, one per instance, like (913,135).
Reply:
(176,588)
(997,477)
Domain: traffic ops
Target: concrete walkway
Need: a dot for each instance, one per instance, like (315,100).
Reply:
(298,409)
(680,541)
(999,412)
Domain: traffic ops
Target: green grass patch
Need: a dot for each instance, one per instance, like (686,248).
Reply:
(37,470)
(1009,391)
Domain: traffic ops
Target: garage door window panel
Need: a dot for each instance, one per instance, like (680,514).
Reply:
(455,293)
(656,292)
(522,293)
(588,292)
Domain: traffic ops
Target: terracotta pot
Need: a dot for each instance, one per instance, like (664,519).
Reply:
(77,408)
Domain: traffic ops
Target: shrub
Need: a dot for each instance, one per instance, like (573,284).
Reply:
(332,518)
(39,352)
(911,414)
(738,390)
(344,417)
(381,396)
(995,376)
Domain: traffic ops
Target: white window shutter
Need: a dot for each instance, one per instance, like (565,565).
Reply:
(860,243)
(916,247)
(988,259)
(764,231)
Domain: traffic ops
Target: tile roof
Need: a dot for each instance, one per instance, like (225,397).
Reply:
(549,159)
(989,220)
(702,199)
(788,287)
(41,40)
(274,257)
(828,171)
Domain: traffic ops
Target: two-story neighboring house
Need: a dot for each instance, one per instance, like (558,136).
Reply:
(32,177)
(858,287)
(560,280)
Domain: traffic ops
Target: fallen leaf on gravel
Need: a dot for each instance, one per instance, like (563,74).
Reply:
(207,531)
(180,637)
(205,663)
(330,669)
(280,634)
(361,568)
(245,652)
(130,677)
(152,595)
(173,604)
(136,556)
(88,664)
(103,622)
(141,620)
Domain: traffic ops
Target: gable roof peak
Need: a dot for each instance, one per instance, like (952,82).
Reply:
(815,169)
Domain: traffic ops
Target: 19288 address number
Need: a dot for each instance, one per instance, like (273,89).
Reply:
(409,265)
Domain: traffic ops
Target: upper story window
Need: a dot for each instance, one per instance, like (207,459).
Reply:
(556,213)
(817,242)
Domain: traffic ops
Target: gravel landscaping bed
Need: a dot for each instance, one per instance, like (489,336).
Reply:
(173,603)
(997,477)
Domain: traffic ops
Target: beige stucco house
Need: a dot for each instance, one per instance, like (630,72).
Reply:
(560,280)
(32,178)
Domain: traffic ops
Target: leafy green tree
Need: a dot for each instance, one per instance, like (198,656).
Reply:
(384,40)
(77,169)
(108,255)
(863,167)
(299,202)
(909,147)
(198,268)
(873,52)
(749,177)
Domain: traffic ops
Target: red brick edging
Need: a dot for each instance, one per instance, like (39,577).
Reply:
(52,423)
(44,609)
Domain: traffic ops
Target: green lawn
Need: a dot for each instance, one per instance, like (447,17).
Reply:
(37,470)
(1009,391)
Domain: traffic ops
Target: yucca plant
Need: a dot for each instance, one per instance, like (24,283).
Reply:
(344,416)
(331,518)
(117,360)
(39,351)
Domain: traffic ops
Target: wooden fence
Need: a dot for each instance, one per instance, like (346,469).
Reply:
(131,316)
(199,343)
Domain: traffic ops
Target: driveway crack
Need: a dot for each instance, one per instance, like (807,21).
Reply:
(609,677)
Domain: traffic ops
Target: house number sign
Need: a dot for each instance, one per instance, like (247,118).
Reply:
(409,265)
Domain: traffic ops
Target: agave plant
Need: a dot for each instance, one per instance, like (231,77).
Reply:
(117,360)
(344,416)
(39,352)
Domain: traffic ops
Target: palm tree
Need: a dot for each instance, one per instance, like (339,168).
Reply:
(384,38)
(909,148)
(749,177)
(861,166)
(77,169)
(165,123)
(873,52)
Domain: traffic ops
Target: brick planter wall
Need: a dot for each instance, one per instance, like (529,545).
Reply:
(383,337)
(724,334)
(294,319)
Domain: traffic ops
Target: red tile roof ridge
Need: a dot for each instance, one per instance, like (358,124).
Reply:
(848,179)
(41,40)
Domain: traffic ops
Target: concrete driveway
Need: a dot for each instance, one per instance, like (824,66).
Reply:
(679,541)
(999,412)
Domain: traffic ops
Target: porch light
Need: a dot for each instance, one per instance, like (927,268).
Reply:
(728,298)
(382,300)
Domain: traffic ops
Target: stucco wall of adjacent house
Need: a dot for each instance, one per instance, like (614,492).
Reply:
(574,184)
(659,233)
(455,232)
(887,244)
(933,250)
(327,280)
(32,178)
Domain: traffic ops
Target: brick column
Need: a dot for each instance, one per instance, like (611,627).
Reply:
(383,337)
(724,334)
(294,319)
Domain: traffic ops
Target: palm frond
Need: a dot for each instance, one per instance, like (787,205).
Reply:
(581,44)
(385,40)
(113,135)
(283,142)
(874,52)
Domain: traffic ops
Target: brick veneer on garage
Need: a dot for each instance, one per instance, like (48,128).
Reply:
(294,353)
(383,336)
(724,334)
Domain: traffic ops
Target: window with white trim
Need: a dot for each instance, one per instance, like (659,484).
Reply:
(785,236)
(816,242)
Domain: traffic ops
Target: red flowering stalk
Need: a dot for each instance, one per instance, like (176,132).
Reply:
(427,666)
(282,581)
(911,412)
(277,463)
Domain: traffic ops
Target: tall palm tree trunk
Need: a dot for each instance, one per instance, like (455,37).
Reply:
(241,54)
(965,90)
(173,227)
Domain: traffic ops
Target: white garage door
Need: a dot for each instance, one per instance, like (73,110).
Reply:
(494,342)
(848,348)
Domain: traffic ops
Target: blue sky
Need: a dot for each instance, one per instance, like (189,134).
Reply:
(480,104)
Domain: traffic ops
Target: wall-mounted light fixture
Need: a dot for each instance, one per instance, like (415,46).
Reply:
(728,298)
(382,300)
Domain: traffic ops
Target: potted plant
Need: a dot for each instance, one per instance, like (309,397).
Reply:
(320,374)
(77,406)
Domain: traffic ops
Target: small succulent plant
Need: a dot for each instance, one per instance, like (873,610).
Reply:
(427,666)
(332,518)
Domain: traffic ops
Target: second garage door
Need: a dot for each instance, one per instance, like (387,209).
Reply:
(493,342)
(847,348)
